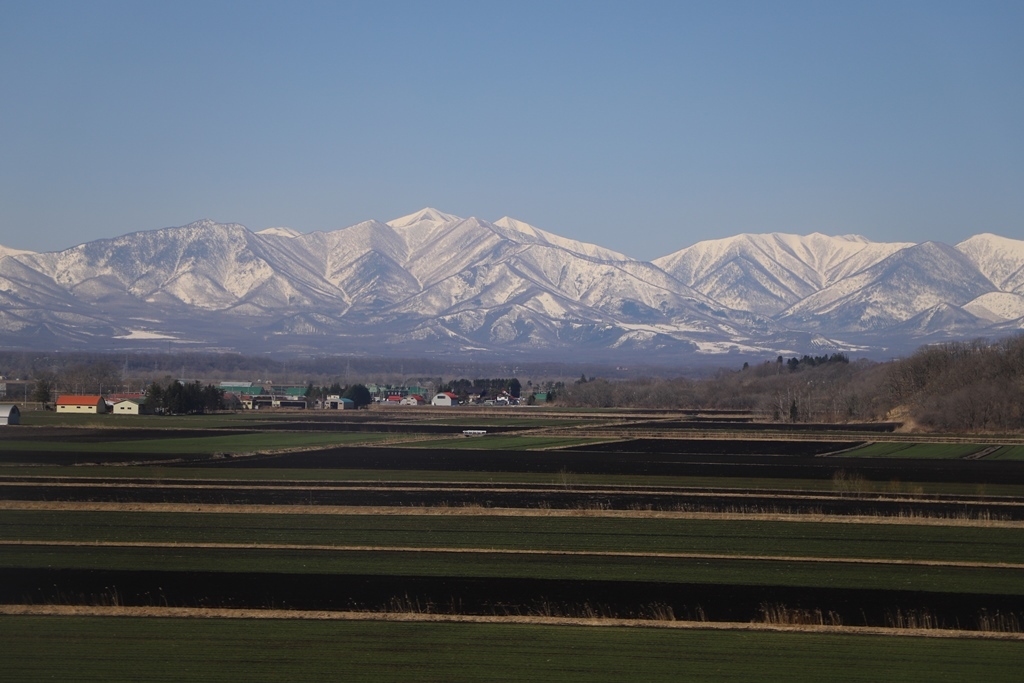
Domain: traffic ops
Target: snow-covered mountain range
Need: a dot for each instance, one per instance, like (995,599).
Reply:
(433,283)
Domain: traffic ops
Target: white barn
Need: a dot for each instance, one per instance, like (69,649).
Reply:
(445,398)
(10,415)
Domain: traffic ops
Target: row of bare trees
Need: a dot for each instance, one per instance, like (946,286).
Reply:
(976,386)
(76,378)
(963,386)
(777,390)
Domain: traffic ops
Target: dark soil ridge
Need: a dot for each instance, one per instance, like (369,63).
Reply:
(486,486)
(506,596)
(577,488)
(654,457)
(425,495)
(647,457)
(748,424)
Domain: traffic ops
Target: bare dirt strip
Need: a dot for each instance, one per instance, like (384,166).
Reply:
(479,511)
(511,551)
(226,613)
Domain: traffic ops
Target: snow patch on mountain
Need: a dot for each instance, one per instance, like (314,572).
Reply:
(143,334)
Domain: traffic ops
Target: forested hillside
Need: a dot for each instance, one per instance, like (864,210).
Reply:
(969,386)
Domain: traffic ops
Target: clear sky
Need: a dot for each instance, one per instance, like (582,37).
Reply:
(641,126)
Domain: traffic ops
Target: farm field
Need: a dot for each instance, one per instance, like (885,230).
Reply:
(497,442)
(562,478)
(281,649)
(937,450)
(184,444)
(387,514)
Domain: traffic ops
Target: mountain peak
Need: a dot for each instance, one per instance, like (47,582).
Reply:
(428,215)
(280,232)
(1001,259)
(517,227)
(8,251)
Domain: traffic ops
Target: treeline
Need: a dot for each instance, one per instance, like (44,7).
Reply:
(484,387)
(976,386)
(357,393)
(823,389)
(968,386)
(173,397)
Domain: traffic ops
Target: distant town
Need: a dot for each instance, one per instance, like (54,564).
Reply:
(191,397)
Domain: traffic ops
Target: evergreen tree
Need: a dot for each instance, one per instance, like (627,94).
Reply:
(43,391)
(154,398)
(359,394)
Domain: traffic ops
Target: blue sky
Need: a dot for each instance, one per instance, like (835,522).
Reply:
(641,126)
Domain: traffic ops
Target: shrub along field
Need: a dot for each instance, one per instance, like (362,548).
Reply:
(534,524)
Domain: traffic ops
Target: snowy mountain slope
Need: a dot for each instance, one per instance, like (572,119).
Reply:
(421,227)
(941,320)
(1000,259)
(203,264)
(892,291)
(524,232)
(997,306)
(543,279)
(8,251)
(279,232)
(436,282)
(768,273)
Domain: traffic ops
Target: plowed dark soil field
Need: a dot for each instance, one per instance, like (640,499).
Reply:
(482,596)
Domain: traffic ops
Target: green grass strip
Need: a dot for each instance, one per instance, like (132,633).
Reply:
(943,579)
(229,443)
(939,451)
(133,649)
(52,419)
(595,534)
(501,442)
(1007,453)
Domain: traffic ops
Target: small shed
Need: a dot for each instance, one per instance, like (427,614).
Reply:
(128,406)
(72,403)
(288,401)
(9,415)
(339,403)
